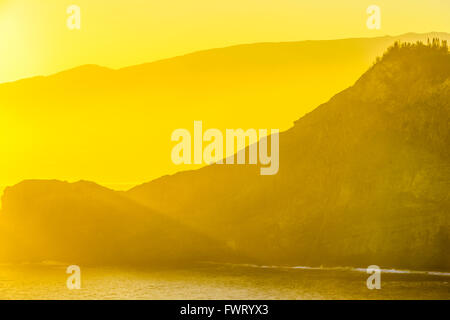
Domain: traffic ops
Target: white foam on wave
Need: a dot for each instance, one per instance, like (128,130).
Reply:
(394,271)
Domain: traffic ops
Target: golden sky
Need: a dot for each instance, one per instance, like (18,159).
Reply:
(34,39)
(121,141)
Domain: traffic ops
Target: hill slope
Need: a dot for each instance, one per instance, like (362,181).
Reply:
(364,179)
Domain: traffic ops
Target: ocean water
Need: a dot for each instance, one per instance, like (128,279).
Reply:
(218,281)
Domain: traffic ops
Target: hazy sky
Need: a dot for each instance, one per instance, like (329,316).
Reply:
(35,40)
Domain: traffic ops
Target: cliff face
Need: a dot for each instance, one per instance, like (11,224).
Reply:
(364,179)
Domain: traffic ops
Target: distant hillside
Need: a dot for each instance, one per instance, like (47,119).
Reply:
(83,223)
(364,179)
(87,122)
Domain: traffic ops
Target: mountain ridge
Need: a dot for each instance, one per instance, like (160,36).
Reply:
(413,35)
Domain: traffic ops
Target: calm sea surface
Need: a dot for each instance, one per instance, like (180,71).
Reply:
(215,281)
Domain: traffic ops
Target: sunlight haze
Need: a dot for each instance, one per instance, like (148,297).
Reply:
(34,39)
